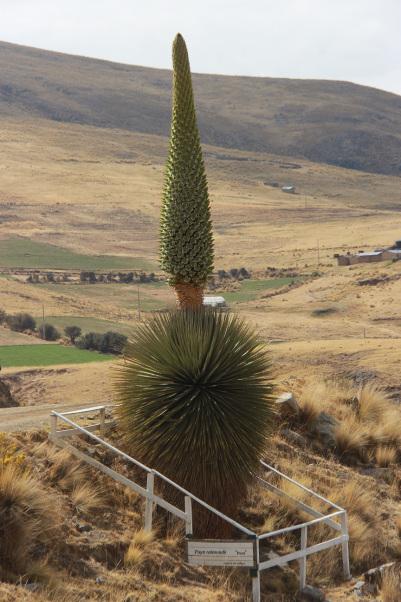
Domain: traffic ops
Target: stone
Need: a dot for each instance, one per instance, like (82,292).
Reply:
(295,438)
(287,403)
(6,399)
(377,472)
(83,528)
(323,427)
(32,587)
(312,594)
(358,588)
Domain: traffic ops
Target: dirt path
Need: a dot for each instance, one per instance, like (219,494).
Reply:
(40,390)
(32,417)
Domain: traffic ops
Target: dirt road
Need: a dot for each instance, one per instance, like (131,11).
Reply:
(40,390)
(32,417)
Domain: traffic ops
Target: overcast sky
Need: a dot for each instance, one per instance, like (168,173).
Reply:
(354,40)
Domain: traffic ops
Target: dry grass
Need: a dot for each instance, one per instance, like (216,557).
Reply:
(87,498)
(385,455)
(391,585)
(64,470)
(373,403)
(310,404)
(137,549)
(28,516)
(351,439)
(368,428)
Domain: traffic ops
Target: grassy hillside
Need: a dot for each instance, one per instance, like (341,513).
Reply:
(326,121)
(47,355)
(66,185)
(25,253)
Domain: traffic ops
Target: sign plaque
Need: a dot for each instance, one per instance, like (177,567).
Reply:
(221,552)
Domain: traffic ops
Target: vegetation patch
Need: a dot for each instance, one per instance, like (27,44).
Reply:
(251,289)
(25,253)
(324,311)
(87,324)
(46,355)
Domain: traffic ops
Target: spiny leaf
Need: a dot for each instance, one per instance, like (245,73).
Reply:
(196,397)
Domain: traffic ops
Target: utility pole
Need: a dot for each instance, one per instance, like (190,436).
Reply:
(139,305)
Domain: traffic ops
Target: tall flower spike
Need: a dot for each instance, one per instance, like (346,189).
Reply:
(186,240)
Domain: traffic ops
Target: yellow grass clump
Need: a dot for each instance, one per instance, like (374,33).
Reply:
(28,516)
(391,585)
(351,439)
(136,551)
(86,498)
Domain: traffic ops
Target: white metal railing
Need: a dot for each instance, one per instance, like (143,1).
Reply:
(59,438)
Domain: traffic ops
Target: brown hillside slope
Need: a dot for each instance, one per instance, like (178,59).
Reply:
(98,190)
(327,121)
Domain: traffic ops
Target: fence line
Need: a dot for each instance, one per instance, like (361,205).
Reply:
(152,499)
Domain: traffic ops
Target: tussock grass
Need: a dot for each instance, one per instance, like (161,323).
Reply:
(351,438)
(86,498)
(373,403)
(391,585)
(137,549)
(368,429)
(385,455)
(28,517)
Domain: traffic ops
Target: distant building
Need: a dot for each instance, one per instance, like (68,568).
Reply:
(214,302)
(391,253)
(290,189)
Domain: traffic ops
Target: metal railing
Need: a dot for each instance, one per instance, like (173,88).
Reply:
(152,499)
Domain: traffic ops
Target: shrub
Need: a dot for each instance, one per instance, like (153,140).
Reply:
(244,273)
(28,518)
(87,277)
(21,321)
(48,332)
(109,342)
(197,402)
(90,340)
(72,332)
(3,316)
(112,342)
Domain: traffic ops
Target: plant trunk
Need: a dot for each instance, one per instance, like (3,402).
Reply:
(189,296)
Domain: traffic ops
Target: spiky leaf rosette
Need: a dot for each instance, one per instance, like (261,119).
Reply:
(196,399)
(186,241)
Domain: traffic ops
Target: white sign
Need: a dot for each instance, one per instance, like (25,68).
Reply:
(220,553)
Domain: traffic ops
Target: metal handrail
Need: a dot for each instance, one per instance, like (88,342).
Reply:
(186,515)
(299,525)
(155,472)
(310,491)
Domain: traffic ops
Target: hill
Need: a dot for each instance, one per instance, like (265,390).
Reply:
(333,122)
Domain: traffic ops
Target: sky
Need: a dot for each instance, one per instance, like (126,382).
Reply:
(353,40)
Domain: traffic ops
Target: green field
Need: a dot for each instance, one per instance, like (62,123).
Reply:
(124,296)
(26,253)
(153,297)
(87,324)
(47,355)
(251,289)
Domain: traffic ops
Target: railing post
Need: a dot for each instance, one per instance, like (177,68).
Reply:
(188,512)
(150,481)
(302,560)
(53,426)
(344,545)
(102,417)
(255,575)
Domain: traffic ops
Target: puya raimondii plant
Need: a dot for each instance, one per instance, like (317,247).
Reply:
(186,240)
